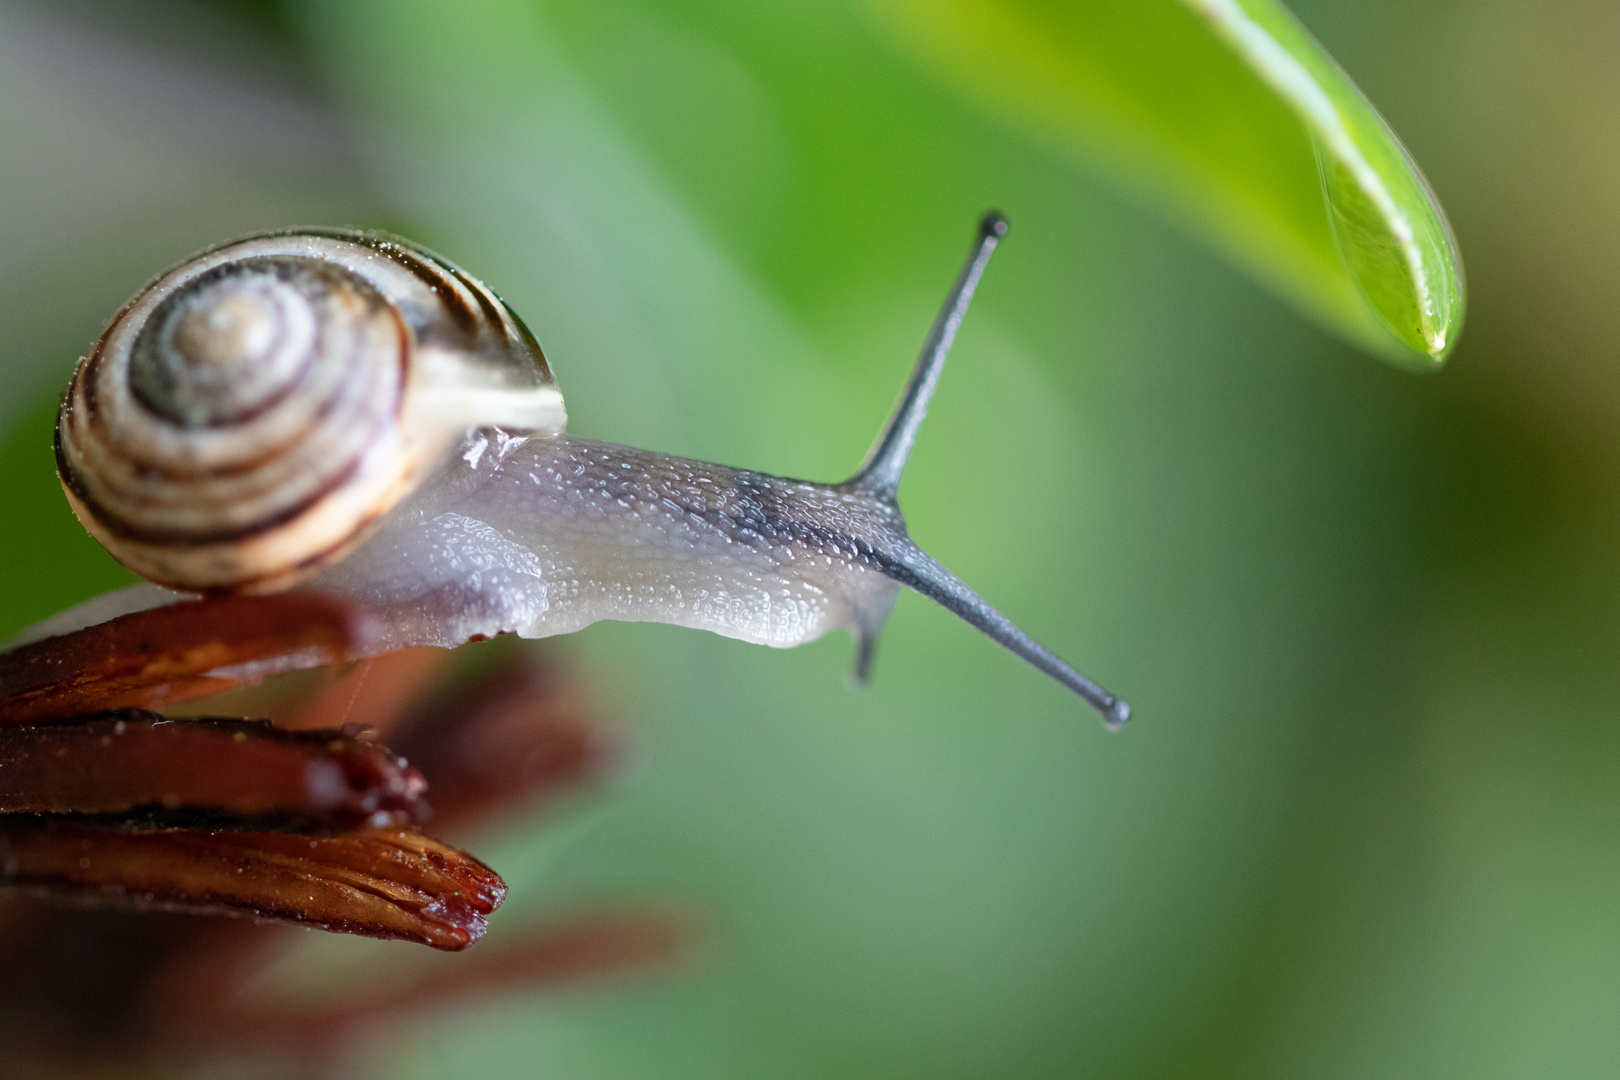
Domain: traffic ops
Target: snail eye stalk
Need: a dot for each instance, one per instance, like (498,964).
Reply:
(879,475)
(879,478)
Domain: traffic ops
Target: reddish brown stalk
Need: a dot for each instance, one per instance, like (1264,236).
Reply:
(205,998)
(132,760)
(521,733)
(386,883)
(165,655)
(375,692)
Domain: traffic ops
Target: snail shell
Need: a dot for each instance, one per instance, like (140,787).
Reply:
(250,414)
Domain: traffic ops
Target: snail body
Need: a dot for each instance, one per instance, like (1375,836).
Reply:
(354,414)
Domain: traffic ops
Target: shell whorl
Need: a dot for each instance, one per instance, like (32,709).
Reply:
(249,415)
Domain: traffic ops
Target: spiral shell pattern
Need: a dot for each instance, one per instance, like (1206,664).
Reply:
(249,415)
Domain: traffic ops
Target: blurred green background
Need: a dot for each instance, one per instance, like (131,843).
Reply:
(1366,822)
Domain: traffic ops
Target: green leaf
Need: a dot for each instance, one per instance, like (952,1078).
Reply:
(1229,115)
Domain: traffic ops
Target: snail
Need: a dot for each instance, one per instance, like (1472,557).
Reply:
(350,413)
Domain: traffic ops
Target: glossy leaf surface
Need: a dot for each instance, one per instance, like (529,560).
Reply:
(1231,116)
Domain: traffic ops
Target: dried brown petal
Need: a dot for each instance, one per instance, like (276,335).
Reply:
(387,883)
(135,760)
(164,655)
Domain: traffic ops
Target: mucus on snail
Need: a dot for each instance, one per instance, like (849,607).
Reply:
(350,413)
